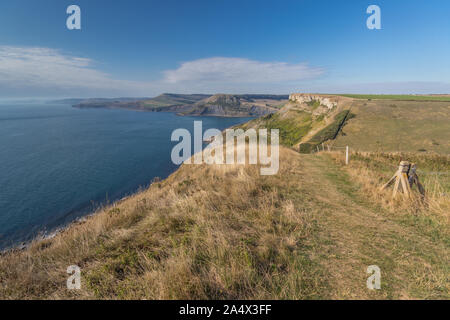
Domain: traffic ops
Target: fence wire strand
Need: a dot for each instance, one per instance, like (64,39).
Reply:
(331,148)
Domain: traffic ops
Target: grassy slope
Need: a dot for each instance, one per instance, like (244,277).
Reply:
(297,126)
(388,125)
(293,125)
(227,232)
(365,228)
(376,125)
(308,232)
(328,132)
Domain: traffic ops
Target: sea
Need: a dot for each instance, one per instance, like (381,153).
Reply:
(59,163)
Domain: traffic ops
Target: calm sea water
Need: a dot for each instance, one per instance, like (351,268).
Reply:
(58,163)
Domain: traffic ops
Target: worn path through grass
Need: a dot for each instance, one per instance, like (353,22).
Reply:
(226,232)
(354,234)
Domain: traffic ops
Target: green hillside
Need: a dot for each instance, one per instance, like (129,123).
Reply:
(389,125)
(365,125)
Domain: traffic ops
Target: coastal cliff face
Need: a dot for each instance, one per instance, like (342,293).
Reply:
(329,102)
(235,106)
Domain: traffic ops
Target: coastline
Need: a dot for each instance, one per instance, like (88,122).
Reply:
(86,214)
(180,114)
(205,225)
(48,235)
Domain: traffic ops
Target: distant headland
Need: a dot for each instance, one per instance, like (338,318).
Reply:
(219,105)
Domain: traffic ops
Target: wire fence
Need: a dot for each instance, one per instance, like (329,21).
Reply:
(348,151)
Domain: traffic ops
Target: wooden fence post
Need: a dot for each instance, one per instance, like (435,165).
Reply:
(346,155)
(401,180)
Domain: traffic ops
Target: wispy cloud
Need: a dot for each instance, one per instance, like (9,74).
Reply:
(44,71)
(34,71)
(239,70)
(31,71)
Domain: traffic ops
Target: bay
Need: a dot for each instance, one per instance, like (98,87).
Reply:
(58,163)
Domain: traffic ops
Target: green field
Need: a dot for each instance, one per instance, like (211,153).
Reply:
(399,97)
(393,125)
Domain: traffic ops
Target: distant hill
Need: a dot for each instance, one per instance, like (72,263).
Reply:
(144,104)
(171,100)
(75,101)
(196,104)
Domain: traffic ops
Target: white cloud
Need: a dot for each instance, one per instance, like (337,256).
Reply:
(43,71)
(239,70)
(34,71)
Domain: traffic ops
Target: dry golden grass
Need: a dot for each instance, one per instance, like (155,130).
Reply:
(409,240)
(205,232)
(393,125)
(226,232)
(374,169)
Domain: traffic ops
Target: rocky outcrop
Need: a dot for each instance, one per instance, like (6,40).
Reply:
(228,105)
(328,101)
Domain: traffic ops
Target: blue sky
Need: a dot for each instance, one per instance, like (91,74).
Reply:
(143,48)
